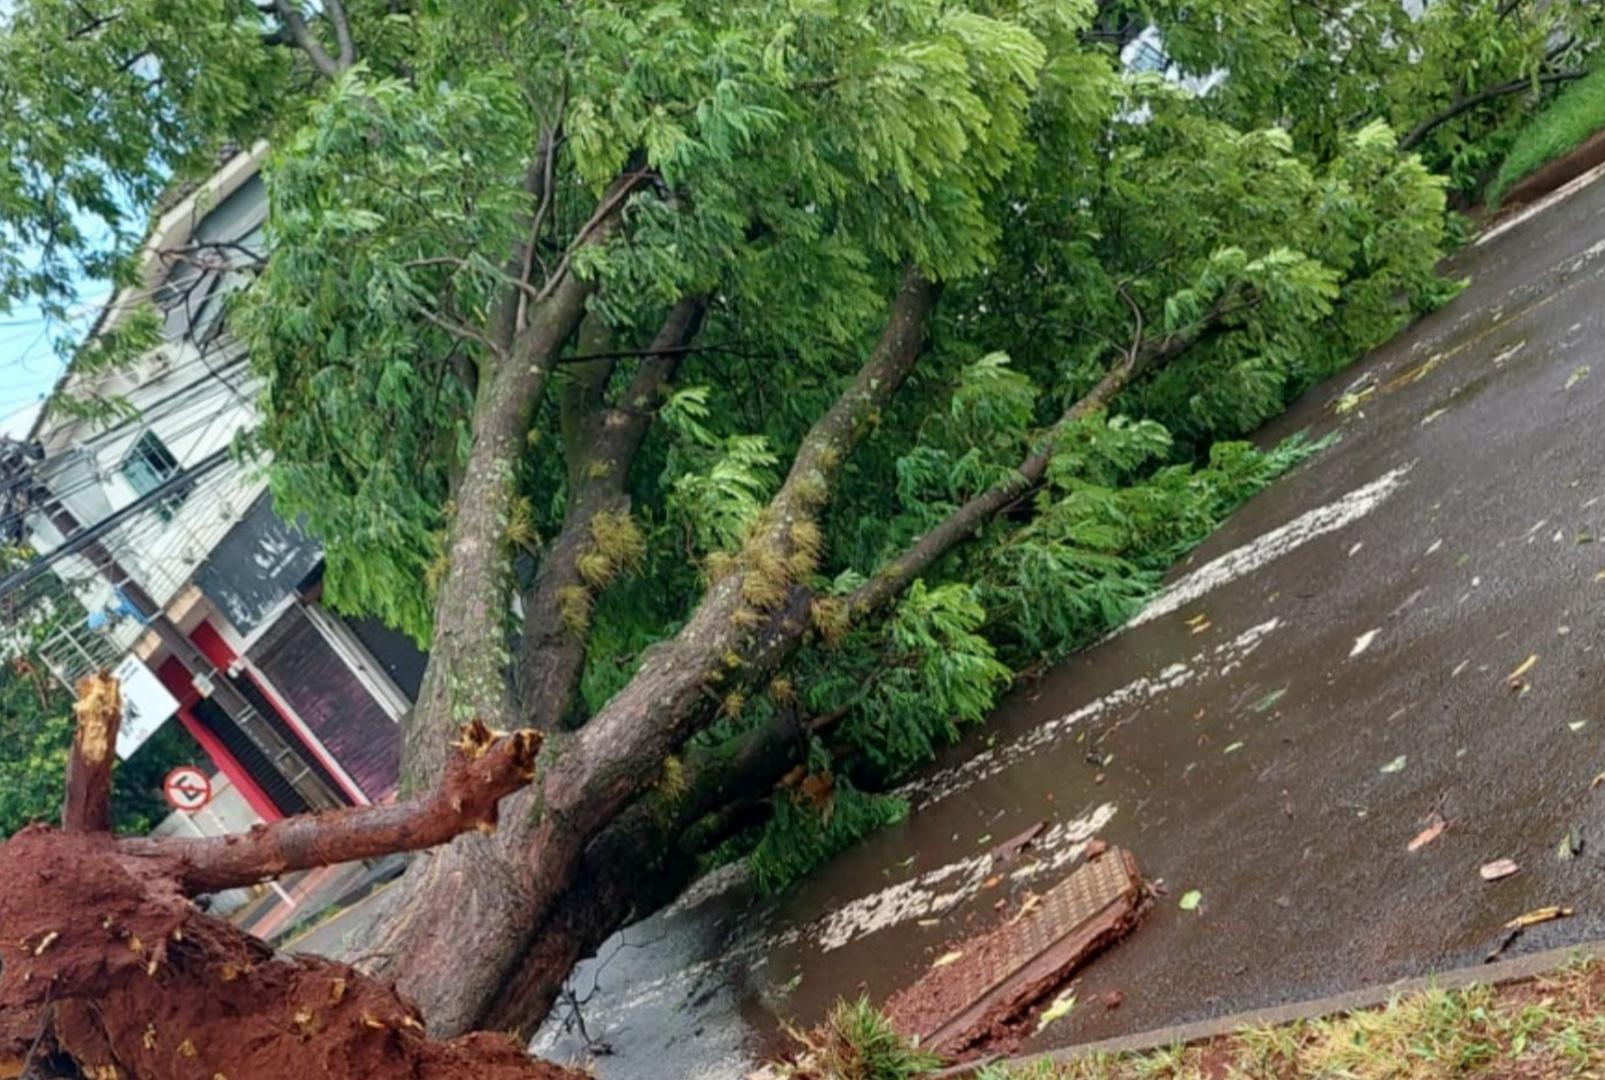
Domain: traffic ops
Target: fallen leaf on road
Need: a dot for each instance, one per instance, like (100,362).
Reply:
(1113,999)
(1060,1008)
(1579,373)
(1190,900)
(1498,869)
(1428,835)
(1363,642)
(1396,765)
(1027,906)
(928,922)
(1596,782)
(1578,725)
(1196,619)
(1268,700)
(1236,746)
(992,882)
(1541,915)
(1201,627)
(1514,678)
(946,959)
(1570,846)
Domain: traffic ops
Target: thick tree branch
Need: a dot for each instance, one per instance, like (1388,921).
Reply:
(468,671)
(484,769)
(99,711)
(600,444)
(748,621)
(296,32)
(968,519)
(336,12)
(1417,134)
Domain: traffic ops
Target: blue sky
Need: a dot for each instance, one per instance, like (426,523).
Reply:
(29,365)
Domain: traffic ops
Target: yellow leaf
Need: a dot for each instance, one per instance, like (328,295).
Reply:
(946,959)
(1540,915)
(1060,1008)
(1521,669)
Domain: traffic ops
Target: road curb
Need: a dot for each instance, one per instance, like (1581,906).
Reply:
(1499,972)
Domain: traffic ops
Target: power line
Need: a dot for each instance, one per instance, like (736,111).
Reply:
(83,538)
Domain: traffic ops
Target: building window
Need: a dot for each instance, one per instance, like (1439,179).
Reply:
(148,466)
(1146,57)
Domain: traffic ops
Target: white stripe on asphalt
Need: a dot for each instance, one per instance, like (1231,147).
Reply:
(1271,546)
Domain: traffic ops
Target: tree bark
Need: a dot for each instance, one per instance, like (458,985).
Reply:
(601,443)
(488,899)
(99,712)
(639,863)
(469,671)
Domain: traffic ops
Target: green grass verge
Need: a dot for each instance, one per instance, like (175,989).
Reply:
(1535,1029)
(1576,113)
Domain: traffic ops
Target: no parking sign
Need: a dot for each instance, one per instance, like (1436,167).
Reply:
(187,788)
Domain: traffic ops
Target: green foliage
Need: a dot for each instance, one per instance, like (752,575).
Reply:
(1318,75)
(35,738)
(803,830)
(906,692)
(1577,112)
(98,112)
(1101,539)
(856,1042)
(788,160)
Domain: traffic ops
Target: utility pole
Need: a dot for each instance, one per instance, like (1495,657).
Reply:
(207,678)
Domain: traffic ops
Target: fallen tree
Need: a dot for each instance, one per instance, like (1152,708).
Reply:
(108,963)
(738,394)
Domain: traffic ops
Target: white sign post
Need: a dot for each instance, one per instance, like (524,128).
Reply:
(146,704)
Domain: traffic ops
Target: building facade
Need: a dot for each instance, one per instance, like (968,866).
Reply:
(195,591)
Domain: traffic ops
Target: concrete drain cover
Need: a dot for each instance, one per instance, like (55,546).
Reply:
(989,987)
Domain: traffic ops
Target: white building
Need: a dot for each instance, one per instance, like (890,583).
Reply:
(154,485)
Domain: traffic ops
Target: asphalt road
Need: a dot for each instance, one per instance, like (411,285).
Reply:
(1327,677)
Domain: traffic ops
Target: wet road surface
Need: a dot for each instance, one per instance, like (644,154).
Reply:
(1326,673)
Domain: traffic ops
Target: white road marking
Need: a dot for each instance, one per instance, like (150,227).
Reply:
(943,888)
(1271,546)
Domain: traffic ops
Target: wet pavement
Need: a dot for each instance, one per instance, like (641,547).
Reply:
(1326,673)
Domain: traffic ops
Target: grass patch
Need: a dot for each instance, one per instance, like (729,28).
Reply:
(1576,113)
(1536,1029)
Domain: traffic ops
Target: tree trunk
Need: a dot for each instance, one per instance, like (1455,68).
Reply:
(107,960)
(470,898)
(468,675)
(640,863)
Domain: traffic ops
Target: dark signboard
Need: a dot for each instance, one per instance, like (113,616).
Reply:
(258,564)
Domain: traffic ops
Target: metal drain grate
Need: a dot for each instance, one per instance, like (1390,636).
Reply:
(1000,975)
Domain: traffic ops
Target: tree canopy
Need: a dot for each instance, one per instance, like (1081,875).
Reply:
(742,393)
